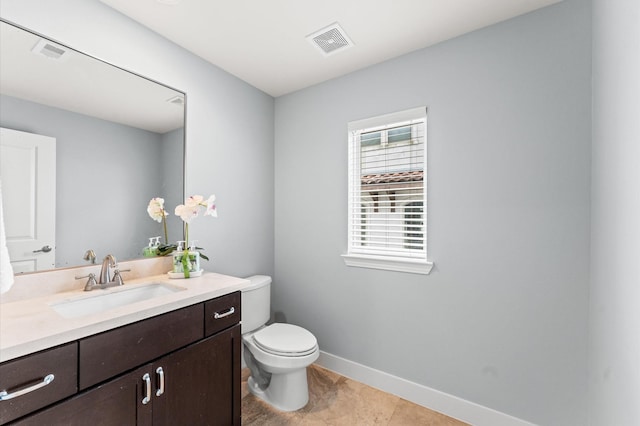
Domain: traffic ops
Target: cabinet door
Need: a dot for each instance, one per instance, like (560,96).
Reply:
(201,383)
(113,403)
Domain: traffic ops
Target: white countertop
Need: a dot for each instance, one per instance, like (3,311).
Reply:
(31,325)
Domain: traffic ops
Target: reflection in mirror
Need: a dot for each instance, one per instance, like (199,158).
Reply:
(84,146)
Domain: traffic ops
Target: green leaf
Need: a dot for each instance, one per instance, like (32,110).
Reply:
(166,249)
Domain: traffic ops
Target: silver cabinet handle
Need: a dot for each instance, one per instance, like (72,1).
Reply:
(147,394)
(160,373)
(45,249)
(4,395)
(224,314)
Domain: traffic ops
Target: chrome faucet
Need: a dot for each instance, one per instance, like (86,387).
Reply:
(90,255)
(105,280)
(105,275)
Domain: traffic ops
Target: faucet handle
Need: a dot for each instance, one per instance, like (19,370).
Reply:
(117,277)
(91,282)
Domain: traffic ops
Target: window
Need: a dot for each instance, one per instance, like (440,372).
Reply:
(387,192)
(414,223)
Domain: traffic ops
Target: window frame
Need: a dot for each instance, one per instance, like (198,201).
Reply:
(356,255)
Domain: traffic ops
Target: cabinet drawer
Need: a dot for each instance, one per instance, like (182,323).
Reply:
(29,372)
(221,313)
(110,353)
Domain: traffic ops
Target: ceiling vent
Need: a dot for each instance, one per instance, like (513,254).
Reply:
(50,50)
(330,40)
(176,100)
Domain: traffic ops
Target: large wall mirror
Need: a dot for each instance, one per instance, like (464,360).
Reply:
(84,146)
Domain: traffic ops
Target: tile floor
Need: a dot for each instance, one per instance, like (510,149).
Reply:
(337,400)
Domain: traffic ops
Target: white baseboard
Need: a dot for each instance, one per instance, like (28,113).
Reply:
(450,405)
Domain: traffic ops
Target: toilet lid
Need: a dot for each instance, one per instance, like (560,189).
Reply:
(285,339)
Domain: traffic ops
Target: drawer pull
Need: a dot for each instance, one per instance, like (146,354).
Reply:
(147,396)
(4,395)
(160,373)
(230,311)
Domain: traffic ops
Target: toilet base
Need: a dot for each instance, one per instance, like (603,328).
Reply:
(286,392)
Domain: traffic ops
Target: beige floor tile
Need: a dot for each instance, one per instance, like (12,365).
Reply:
(379,406)
(317,371)
(407,413)
(258,413)
(244,389)
(335,400)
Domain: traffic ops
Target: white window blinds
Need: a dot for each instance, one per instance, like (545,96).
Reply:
(387,187)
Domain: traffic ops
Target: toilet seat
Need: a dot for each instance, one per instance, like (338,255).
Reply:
(285,340)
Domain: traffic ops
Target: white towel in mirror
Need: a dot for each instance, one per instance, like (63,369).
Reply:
(6,271)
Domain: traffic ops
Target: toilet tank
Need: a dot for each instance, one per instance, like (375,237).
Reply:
(256,303)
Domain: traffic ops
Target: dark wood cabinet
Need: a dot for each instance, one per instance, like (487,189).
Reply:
(200,383)
(113,403)
(115,351)
(184,375)
(37,380)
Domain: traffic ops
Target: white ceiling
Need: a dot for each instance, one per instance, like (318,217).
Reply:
(263,41)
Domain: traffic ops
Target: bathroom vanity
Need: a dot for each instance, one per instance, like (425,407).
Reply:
(172,359)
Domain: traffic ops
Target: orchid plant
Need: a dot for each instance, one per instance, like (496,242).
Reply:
(159,214)
(187,212)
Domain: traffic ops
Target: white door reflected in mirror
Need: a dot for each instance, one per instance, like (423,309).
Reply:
(28,174)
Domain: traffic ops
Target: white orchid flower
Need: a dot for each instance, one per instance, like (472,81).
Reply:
(187,212)
(156,209)
(211,207)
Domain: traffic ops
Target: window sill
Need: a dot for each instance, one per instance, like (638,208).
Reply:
(388,264)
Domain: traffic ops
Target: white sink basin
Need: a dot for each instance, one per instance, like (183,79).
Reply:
(103,301)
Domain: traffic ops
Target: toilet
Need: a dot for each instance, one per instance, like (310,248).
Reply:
(278,354)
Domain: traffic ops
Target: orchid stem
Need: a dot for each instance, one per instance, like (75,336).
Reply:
(164,222)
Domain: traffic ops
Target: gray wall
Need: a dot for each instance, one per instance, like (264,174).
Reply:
(115,170)
(171,180)
(502,319)
(614,344)
(229,125)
